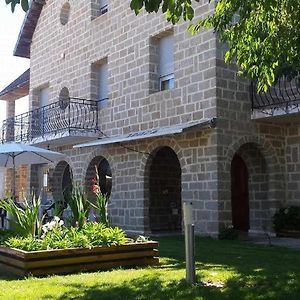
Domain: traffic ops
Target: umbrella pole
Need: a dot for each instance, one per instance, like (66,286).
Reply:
(14,178)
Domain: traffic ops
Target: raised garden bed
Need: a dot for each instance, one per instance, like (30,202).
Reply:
(65,261)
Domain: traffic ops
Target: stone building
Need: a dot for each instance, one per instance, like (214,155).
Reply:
(159,113)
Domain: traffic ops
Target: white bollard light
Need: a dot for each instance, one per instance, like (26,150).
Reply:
(189,241)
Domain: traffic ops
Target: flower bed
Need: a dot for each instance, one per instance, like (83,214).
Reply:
(65,261)
(53,248)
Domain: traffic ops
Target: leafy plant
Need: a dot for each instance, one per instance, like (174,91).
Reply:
(99,234)
(24,219)
(287,218)
(24,243)
(58,208)
(79,205)
(60,237)
(5,235)
(228,233)
(101,199)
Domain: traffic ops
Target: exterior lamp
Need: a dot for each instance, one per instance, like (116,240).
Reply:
(189,235)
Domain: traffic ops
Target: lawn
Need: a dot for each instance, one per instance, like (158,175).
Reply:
(225,270)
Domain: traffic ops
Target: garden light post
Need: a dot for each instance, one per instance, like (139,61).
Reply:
(189,235)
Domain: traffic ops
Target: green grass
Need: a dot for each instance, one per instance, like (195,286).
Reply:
(225,270)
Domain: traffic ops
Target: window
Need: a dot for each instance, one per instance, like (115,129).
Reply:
(166,62)
(40,118)
(103,85)
(103,5)
(65,13)
(44,97)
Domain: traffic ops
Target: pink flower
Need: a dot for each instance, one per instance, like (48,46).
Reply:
(95,188)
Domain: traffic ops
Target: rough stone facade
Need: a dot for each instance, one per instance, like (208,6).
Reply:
(205,87)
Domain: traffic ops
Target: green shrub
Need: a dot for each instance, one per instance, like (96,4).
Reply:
(5,235)
(287,218)
(59,237)
(99,234)
(101,199)
(24,220)
(24,243)
(79,205)
(228,233)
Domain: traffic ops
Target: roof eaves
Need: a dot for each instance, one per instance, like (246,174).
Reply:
(18,88)
(22,48)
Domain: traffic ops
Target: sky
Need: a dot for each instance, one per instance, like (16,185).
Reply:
(10,66)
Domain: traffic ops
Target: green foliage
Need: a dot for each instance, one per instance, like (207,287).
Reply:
(59,237)
(99,234)
(80,207)
(263,36)
(5,235)
(287,218)
(228,233)
(174,9)
(58,208)
(24,218)
(101,199)
(24,243)
(13,3)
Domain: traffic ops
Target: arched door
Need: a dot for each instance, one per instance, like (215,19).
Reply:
(165,192)
(239,194)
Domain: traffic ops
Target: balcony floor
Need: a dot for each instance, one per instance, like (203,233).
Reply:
(64,137)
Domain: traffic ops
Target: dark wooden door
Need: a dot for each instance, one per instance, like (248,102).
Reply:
(239,194)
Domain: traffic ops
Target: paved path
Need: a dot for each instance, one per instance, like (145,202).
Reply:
(275,241)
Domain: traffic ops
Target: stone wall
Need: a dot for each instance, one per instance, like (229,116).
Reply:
(293,164)
(267,139)
(130,197)
(63,56)
(67,56)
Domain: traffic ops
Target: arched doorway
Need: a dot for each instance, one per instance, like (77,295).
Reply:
(250,189)
(104,173)
(165,213)
(61,181)
(239,194)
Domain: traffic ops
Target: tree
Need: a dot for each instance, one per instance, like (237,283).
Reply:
(263,36)
(13,3)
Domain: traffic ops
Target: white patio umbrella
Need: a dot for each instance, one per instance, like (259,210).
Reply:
(15,154)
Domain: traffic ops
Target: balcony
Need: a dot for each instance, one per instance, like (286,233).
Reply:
(280,100)
(63,122)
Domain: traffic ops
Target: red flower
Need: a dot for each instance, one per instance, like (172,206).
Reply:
(95,188)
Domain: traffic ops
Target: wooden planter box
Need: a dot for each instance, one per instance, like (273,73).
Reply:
(289,233)
(65,261)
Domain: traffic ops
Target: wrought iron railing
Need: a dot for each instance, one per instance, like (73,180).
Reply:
(70,114)
(284,95)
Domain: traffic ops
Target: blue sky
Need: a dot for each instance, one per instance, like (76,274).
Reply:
(10,67)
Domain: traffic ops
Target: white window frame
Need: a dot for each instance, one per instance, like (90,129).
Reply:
(103,7)
(102,99)
(166,69)
(167,78)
